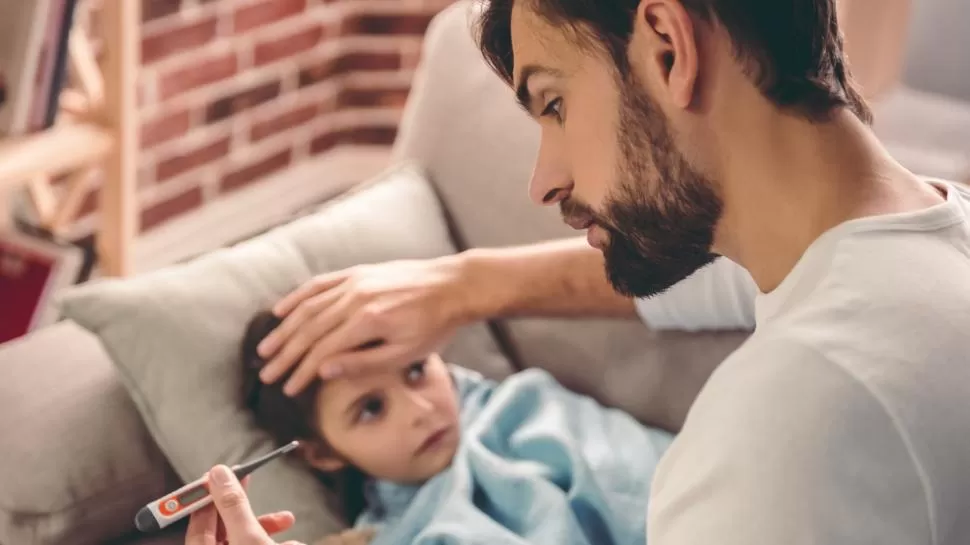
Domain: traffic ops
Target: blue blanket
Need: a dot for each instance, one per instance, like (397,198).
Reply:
(537,464)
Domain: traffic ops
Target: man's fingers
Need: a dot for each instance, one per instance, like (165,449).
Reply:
(233,506)
(290,341)
(305,311)
(202,528)
(277,522)
(347,336)
(359,361)
(309,288)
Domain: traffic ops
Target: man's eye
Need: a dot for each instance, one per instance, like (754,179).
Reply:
(553,109)
(415,373)
(370,409)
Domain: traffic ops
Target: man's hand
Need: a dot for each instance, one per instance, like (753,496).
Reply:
(363,318)
(230,519)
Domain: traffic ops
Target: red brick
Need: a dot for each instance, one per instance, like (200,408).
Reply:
(230,105)
(177,40)
(372,98)
(355,135)
(385,23)
(155,9)
(165,128)
(202,155)
(263,12)
(165,210)
(273,50)
(285,121)
(255,171)
(204,72)
(349,62)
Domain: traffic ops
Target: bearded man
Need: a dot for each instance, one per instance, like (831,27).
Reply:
(717,139)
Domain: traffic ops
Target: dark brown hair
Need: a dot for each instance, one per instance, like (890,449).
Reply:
(792,48)
(291,418)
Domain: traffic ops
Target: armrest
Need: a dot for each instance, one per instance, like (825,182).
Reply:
(77,462)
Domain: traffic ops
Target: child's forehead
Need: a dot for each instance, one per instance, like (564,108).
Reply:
(364,380)
(350,386)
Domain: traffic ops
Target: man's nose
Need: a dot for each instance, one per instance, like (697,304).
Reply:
(551,182)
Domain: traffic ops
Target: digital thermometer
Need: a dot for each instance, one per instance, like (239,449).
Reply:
(177,505)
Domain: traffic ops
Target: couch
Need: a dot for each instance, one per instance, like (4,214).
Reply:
(61,401)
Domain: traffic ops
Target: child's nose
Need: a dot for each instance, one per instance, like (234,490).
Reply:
(422,406)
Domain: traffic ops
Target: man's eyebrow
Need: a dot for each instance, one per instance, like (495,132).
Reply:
(522,89)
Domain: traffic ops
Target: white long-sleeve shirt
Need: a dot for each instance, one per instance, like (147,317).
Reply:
(845,417)
(717,297)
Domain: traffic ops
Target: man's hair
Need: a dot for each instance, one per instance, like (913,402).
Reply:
(791,49)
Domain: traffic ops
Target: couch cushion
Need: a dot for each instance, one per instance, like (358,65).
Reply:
(937,43)
(175,334)
(929,133)
(77,462)
(462,124)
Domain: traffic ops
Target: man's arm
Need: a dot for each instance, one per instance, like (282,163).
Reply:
(563,278)
(389,314)
(786,447)
(567,278)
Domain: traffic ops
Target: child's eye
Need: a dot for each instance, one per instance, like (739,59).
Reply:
(415,373)
(554,109)
(370,409)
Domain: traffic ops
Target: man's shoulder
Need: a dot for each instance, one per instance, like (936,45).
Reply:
(788,410)
(779,393)
(778,369)
(783,441)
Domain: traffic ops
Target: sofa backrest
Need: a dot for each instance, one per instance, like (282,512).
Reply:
(937,55)
(462,124)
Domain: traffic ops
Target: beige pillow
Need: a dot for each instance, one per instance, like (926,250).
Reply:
(174,334)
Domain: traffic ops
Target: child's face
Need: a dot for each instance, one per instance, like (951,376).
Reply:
(401,426)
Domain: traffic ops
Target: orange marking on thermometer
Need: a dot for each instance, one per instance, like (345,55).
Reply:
(181,503)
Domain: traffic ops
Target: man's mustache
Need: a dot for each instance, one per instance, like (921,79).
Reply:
(575,212)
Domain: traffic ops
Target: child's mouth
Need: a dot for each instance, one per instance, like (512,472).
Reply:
(432,441)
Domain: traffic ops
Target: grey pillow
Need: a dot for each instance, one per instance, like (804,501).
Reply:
(174,334)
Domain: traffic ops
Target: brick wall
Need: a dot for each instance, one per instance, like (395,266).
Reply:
(232,91)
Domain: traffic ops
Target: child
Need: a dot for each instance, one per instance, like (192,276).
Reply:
(536,462)
(401,428)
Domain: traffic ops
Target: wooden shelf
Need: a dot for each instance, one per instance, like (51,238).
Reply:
(105,139)
(61,149)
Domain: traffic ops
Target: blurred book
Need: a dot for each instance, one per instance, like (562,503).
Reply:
(23,32)
(32,270)
(33,59)
(53,65)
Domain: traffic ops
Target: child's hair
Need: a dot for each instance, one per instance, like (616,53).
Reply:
(285,418)
(288,418)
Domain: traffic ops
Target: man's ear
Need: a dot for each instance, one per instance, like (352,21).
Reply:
(322,457)
(668,44)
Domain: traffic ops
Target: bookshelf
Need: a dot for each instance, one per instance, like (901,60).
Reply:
(97,130)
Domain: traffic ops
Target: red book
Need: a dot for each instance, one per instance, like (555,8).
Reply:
(31,271)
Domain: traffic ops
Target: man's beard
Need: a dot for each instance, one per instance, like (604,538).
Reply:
(662,219)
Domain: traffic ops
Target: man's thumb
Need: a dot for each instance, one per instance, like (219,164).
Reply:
(230,499)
